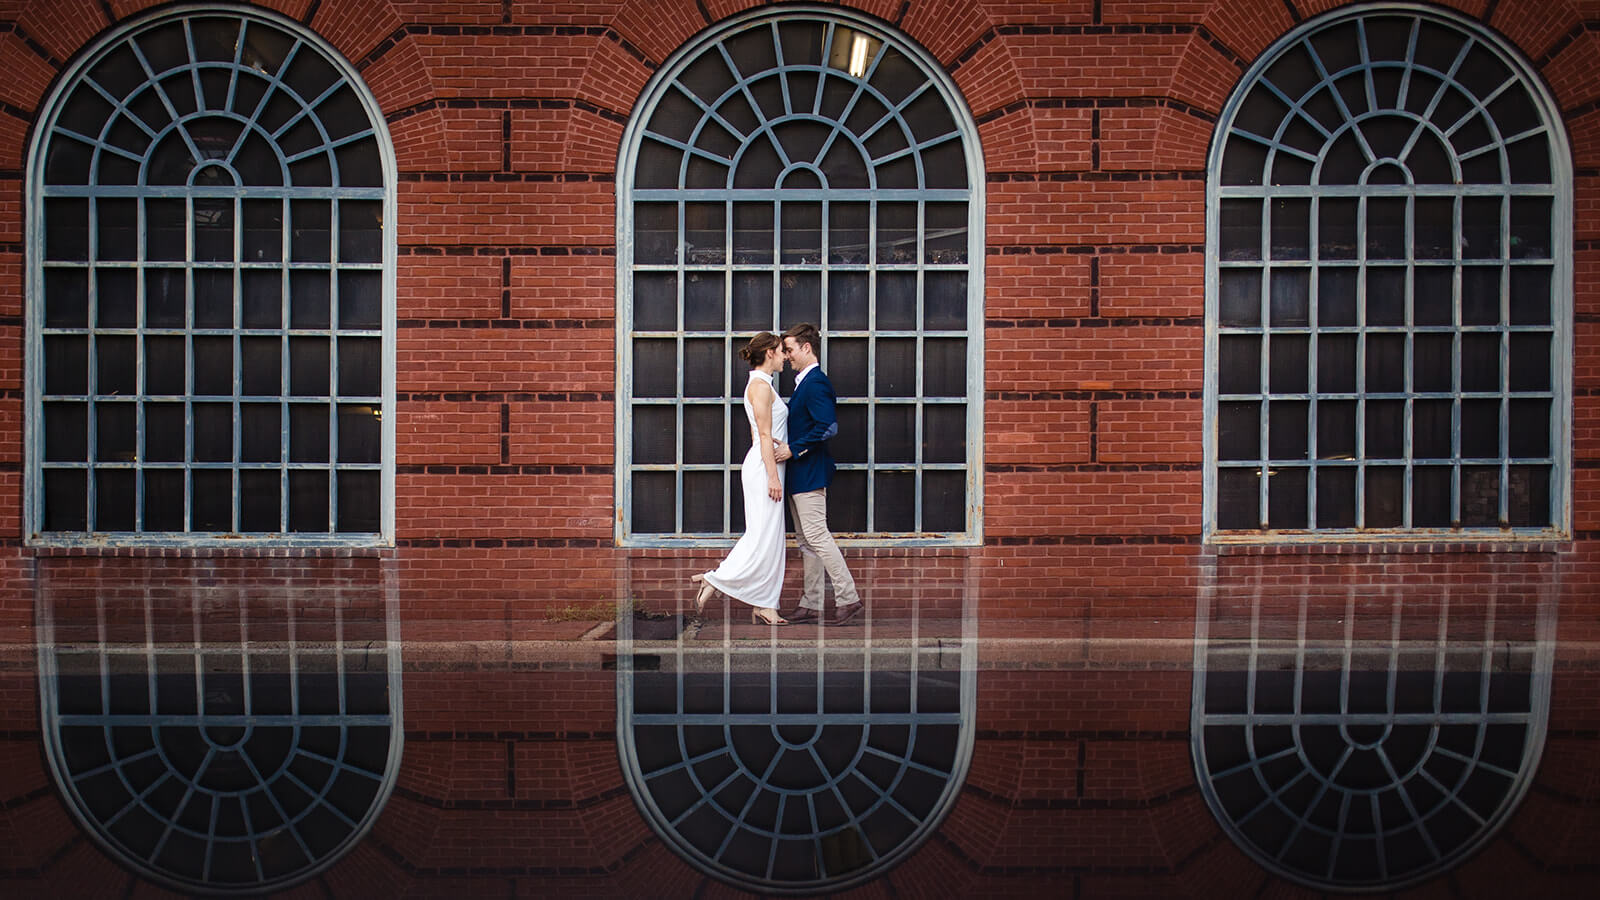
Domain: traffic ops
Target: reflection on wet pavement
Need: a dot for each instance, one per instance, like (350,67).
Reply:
(223,734)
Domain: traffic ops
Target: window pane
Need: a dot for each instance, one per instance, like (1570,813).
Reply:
(1336,497)
(116,432)
(1287,427)
(944,303)
(1480,495)
(847,233)
(654,431)
(846,366)
(1385,429)
(1385,497)
(1435,228)
(704,365)
(1238,503)
(360,300)
(66,432)
(261,435)
(66,364)
(702,434)
(163,500)
(893,438)
(1480,362)
(358,499)
(359,437)
(1432,363)
(847,301)
(117,301)
(702,501)
(360,366)
(213,298)
(360,231)
(1530,227)
(66,503)
(800,297)
(1291,228)
(1480,227)
(1431,427)
(213,501)
(1336,228)
(1386,295)
(1432,297)
(263,230)
(847,503)
(655,497)
(261,365)
(213,432)
(66,298)
(1291,356)
(897,301)
(259,501)
(1530,361)
(1480,429)
(261,301)
(310,299)
(113,499)
(752,302)
(213,366)
(1430,497)
(1291,297)
(894,498)
(944,433)
(1386,228)
(1480,295)
(308,433)
(166,301)
(308,366)
(1386,363)
(896,364)
(946,223)
(1238,430)
(1239,235)
(897,233)
(1239,303)
(1529,428)
(944,501)
(1336,297)
(704,301)
(114,365)
(801,232)
(850,444)
(311,237)
(655,233)
(66,228)
(752,233)
(1287,503)
(1529,496)
(944,367)
(1530,295)
(213,229)
(1239,364)
(308,501)
(1336,429)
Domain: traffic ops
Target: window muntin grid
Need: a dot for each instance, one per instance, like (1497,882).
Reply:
(211,279)
(793,768)
(1388,286)
(1380,752)
(765,184)
(243,760)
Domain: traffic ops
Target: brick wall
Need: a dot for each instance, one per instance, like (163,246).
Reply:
(1095,119)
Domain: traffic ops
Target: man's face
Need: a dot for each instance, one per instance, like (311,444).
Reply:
(788,353)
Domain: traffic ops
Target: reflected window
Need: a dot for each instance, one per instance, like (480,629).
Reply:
(221,740)
(1390,278)
(791,168)
(1371,744)
(210,289)
(787,766)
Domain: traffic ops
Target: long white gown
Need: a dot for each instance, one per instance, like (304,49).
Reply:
(753,569)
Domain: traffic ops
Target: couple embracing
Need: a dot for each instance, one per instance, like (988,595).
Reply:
(789,435)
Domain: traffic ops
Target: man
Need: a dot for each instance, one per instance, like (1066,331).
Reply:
(810,470)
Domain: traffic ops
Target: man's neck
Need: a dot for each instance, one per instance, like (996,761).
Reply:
(803,372)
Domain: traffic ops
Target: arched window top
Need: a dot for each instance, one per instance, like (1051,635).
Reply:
(1389,287)
(825,101)
(1392,97)
(225,100)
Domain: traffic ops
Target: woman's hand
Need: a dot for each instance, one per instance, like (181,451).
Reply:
(774,489)
(780,451)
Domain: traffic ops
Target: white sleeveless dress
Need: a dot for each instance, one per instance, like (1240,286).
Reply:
(753,569)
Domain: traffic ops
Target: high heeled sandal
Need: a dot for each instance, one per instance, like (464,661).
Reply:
(756,618)
(707,591)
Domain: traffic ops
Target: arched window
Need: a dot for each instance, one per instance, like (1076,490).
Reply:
(1376,753)
(790,770)
(241,765)
(1388,286)
(801,165)
(210,286)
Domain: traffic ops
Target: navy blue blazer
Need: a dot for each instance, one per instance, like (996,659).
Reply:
(811,422)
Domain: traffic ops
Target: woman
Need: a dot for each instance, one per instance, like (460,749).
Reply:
(752,573)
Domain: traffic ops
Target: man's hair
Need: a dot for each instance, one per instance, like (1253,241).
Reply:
(805,333)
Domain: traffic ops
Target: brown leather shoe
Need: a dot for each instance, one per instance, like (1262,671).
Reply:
(804,616)
(845,615)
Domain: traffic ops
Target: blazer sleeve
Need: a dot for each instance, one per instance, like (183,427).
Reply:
(819,403)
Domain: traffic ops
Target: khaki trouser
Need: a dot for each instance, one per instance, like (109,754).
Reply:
(819,552)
